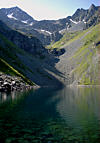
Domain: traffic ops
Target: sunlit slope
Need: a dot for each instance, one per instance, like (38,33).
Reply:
(86,60)
(79,64)
(67,38)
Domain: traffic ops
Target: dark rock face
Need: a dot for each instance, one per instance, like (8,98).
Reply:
(79,15)
(27,43)
(57,52)
(56,36)
(92,15)
(92,8)
(9,83)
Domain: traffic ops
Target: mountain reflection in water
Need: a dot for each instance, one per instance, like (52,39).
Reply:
(51,115)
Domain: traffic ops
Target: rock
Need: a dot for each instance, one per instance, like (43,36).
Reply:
(1,82)
(13,82)
(1,79)
(57,52)
(9,83)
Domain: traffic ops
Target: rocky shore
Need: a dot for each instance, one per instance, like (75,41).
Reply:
(11,83)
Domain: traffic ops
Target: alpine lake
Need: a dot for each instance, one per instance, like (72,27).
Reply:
(51,115)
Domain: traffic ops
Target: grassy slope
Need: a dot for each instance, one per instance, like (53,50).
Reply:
(9,62)
(67,39)
(85,59)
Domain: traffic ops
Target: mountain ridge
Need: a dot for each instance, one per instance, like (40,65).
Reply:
(45,30)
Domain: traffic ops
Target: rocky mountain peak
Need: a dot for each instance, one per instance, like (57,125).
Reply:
(79,14)
(92,8)
(17,14)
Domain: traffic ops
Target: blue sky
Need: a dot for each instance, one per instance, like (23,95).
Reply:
(49,9)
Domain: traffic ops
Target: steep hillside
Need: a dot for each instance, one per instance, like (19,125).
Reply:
(38,67)
(68,36)
(79,64)
(86,59)
(9,63)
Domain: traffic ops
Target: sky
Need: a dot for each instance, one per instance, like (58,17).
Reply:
(49,9)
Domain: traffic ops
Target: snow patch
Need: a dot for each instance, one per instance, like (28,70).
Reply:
(62,30)
(77,22)
(11,16)
(41,30)
(46,31)
(74,21)
(84,21)
(68,27)
(31,24)
(24,21)
(67,23)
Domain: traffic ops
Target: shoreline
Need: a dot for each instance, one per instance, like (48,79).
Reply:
(10,83)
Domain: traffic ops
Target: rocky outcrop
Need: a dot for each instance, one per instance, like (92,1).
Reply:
(10,83)
(57,52)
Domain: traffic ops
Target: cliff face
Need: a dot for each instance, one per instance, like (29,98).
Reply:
(28,43)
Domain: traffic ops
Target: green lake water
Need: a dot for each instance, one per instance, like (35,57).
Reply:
(46,115)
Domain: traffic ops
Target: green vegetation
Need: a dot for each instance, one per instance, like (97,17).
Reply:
(86,69)
(10,63)
(7,69)
(64,40)
(67,39)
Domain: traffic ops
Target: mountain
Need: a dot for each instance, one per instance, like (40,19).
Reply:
(16,14)
(19,20)
(26,56)
(80,63)
(71,60)
(30,44)
(48,31)
(90,16)
(80,17)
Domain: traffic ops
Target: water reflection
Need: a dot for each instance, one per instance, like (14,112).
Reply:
(80,108)
(4,97)
(67,115)
(79,105)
